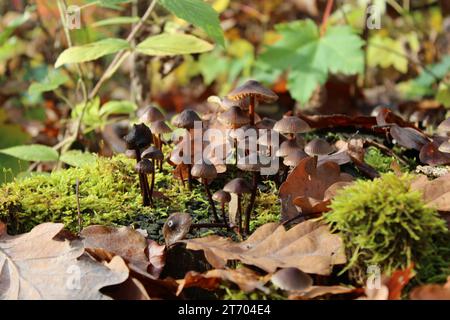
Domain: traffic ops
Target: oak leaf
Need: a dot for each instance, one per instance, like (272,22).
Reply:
(308,246)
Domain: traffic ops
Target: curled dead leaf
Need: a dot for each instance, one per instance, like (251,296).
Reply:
(308,246)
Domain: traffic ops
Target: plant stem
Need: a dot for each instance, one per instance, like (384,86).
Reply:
(118,58)
(239,210)
(224,214)
(326,15)
(152,187)
(142,182)
(251,110)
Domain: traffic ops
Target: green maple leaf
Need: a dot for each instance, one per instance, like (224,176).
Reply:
(310,57)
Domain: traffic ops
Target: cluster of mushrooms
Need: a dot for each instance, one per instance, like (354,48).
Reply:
(233,112)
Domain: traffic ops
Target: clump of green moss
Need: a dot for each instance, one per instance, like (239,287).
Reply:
(384,223)
(109,194)
(375,158)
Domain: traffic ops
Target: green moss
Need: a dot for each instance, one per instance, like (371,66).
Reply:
(384,223)
(110,195)
(375,158)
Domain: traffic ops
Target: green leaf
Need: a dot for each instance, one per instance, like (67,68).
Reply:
(91,51)
(386,52)
(92,113)
(52,82)
(32,152)
(77,158)
(200,14)
(168,44)
(309,57)
(116,21)
(117,107)
(443,94)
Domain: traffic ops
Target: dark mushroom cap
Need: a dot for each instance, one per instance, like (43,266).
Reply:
(291,279)
(318,147)
(152,153)
(444,127)
(160,127)
(253,88)
(294,158)
(151,114)
(176,227)
(238,186)
(204,171)
(287,147)
(186,119)
(145,166)
(292,125)
(221,196)
(445,147)
(140,136)
(265,123)
(234,118)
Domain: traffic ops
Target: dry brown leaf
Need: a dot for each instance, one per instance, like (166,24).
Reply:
(246,279)
(308,246)
(431,292)
(317,291)
(306,185)
(436,193)
(36,266)
(127,243)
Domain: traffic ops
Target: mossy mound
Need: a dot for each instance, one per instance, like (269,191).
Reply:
(384,223)
(109,195)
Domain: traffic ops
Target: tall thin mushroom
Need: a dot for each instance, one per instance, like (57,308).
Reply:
(156,155)
(222,197)
(239,187)
(206,172)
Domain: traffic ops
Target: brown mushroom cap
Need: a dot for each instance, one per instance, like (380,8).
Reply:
(160,127)
(204,171)
(445,147)
(238,186)
(145,166)
(294,158)
(140,136)
(255,89)
(176,227)
(291,279)
(287,147)
(152,153)
(151,114)
(292,125)
(234,118)
(186,119)
(221,196)
(318,147)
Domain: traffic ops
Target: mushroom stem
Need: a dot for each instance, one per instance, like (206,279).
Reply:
(249,209)
(189,177)
(211,202)
(152,187)
(239,213)
(143,182)
(160,149)
(251,110)
(224,214)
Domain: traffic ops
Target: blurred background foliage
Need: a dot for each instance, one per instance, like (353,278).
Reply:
(315,62)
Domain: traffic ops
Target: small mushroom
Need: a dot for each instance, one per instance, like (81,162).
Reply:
(445,147)
(443,128)
(239,187)
(266,123)
(291,125)
(187,119)
(233,118)
(291,279)
(287,147)
(318,147)
(145,167)
(159,128)
(222,197)
(176,227)
(206,172)
(140,137)
(156,155)
(151,114)
(256,92)
(294,158)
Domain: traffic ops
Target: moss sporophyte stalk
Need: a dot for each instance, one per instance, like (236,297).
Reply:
(384,223)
